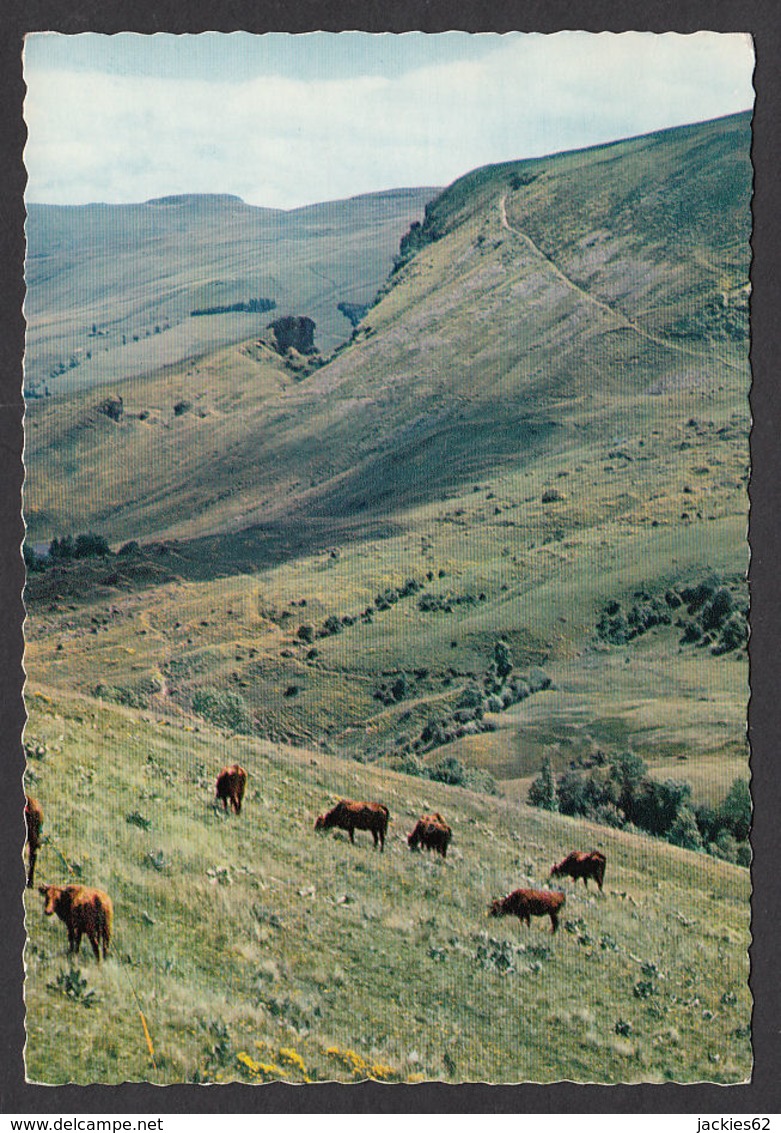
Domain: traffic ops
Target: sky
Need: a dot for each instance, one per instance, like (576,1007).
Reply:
(286,120)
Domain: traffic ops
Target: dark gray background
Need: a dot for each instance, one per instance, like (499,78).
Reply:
(760,18)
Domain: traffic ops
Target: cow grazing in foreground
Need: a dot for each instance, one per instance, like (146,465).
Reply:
(579,864)
(33,816)
(527,903)
(231,784)
(82,910)
(351,816)
(432,833)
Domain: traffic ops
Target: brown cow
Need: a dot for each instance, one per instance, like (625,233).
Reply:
(231,784)
(351,816)
(579,864)
(527,903)
(432,833)
(82,910)
(33,816)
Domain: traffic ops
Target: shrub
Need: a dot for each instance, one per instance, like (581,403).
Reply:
(695,597)
(411,586)
(471,699)
(717,609)
(733,634)
(386,599)
(225,708)
(332,625)
(449,770)
(538,680)
(119,694)
(724,847)
(73,986)
(306,633)
(399,687)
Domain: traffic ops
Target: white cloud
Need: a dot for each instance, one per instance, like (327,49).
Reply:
(281,142)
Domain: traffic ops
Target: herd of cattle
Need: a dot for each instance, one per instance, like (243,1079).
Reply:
(89,912)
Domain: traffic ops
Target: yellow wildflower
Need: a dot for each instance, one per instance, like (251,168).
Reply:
(287,1054)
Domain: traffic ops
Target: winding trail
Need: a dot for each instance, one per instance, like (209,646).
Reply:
(620,319)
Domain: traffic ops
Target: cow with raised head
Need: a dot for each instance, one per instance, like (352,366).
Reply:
(33,817)
(351,816)
(231,784)
(82,910)
(431,833)
(580,864)
(527,903)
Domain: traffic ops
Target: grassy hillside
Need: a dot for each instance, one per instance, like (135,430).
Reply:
(495,343)
(455,438)
(536,437)
(257,949)
(111,287)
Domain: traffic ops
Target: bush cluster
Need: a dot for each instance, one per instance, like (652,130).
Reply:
(466,718)
(622,794)
(710,614)
(252,306)
(136,696)
(226,709)
(431,603)
(448,770)
(85,546)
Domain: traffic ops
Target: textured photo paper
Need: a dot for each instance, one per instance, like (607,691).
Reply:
(386,455)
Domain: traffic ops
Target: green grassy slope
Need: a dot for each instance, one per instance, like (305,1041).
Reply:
(545,412)
(492,425)
(320,960)
(135,272)
(496,342)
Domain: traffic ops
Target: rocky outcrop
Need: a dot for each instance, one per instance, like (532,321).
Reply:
(113,407)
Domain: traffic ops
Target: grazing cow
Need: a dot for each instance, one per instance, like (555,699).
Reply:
(82,910)
(527,903)
(33,816)
(231,784)
(432,833)
(350,816)
(579,864)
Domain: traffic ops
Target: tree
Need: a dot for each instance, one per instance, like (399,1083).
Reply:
(503,660)
(573,794)
(627,774)
(31,560)
(90,545)
(734,812)
(685,831)
(542,792)
(658,805)
(61,548)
